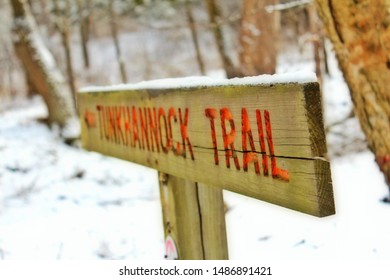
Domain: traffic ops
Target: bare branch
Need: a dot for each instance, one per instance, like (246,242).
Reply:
(286,6)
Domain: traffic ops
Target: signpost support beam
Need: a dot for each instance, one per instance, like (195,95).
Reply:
(193,217)
(212,211)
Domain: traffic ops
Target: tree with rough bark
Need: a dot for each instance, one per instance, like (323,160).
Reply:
(41,69)
(84,17)
(259,37)
(115,39)
(194,37)
(62,15)
(360,33)
(318,43)
(215,18)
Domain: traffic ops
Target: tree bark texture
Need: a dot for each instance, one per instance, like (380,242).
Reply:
(259,37)
(31,89)
(360,33)
(84,14)
(62,14)
(214,18)
(115,38)
(194,36)
(7,89)
(316,39)
(40,66)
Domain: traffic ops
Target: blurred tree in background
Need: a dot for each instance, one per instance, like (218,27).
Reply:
(112,41)
(259,37)
(360,33)
(40,67)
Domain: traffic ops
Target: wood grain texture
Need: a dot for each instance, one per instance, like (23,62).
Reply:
(278,129)
(194,217)
(212,211)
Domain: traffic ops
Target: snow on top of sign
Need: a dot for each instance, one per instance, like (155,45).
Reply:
(294,77)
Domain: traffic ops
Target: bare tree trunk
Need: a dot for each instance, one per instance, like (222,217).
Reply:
(33,11)
(259,37)
(214,17)
(44,12)
(325,54)
(83,7)
(40,67)
(31,89)
(316,39)
(114,34)
(360,33)
(194,36)
(8,86)
(62,13)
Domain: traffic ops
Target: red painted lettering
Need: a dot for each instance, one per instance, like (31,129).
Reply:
(135,138)
(90,119)
(228,139)
(161,114)
(184,133)
(172,115)
(127,124)
(110,124)
(276,171)
(144,129)
(212,114)
(106,124)
(101,121)
(153,129)
(119,132)
(114,135)
(248,156)
(104,127)
(262,143)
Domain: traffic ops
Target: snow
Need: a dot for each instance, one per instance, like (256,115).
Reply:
(292,77)
(286,6)
(71,129)
(61,202)
(357,231)
(252,29)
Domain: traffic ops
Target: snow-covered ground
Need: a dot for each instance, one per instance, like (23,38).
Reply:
(358,230)
(60,202)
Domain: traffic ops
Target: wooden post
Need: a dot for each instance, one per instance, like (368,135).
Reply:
(193,217)
(212,211)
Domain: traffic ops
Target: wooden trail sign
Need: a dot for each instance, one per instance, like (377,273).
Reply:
(264,140)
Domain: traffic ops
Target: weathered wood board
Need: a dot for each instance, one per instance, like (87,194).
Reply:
(263,141)
(194,218)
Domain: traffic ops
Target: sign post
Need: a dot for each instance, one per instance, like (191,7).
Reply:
(263,139)
(194,218)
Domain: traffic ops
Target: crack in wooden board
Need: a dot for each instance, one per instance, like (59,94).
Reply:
(267,142)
